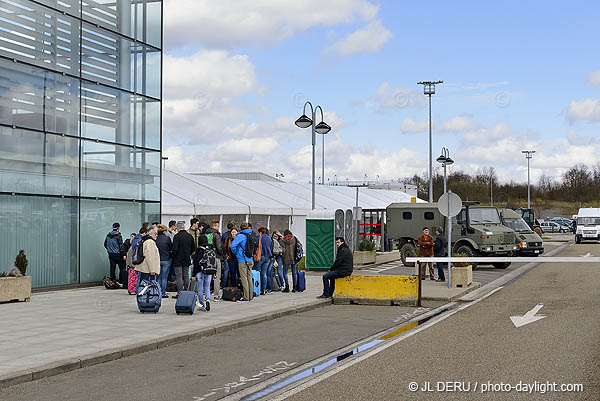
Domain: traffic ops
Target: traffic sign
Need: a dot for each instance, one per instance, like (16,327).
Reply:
(449,204)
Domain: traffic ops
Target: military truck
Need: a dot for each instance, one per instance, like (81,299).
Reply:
(529,242)
(476,231)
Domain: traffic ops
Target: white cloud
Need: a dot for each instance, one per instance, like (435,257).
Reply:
(388,97)
(248,149)
(484,85)
(236,23)
(594,78)
(586,109)
(368,39)
(410,126)
(458,124)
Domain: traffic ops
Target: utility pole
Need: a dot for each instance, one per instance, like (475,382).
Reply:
(429,89)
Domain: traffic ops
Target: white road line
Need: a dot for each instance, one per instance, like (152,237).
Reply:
(377,350)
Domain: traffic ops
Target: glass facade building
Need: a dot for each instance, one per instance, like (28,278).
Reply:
(80,131)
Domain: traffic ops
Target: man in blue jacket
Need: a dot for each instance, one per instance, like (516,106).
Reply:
(245,263)
(116,254)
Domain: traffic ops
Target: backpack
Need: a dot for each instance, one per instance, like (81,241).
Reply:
(208,263)
(110,284)
(138,253)
(299,251)
(209,238)
(251,245)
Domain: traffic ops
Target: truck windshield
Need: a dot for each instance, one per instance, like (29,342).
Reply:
(517,225)
(588,221)
(483,215)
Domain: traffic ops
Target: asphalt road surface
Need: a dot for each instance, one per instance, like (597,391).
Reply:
(480,347)
(213,367)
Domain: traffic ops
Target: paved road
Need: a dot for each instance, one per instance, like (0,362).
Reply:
(480,344)
(232,359)
(482,273)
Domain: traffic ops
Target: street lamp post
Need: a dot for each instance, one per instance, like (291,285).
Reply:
(445,160)
(528,155)
(322,128)
(429,89)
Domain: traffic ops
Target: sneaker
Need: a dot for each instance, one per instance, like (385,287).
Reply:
(219,299)
(242,300)
(269,292)
(294,290)
(207,306)
(174,296)
(439,280)
(198,305)
(201,308)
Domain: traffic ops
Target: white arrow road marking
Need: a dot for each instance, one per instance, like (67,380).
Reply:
(529,317)
(587,255)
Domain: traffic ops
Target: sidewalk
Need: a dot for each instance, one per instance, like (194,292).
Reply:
(65,330)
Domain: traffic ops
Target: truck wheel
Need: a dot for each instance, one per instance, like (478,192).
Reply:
(577,239)
(408,250)
(502,265)
(467,250)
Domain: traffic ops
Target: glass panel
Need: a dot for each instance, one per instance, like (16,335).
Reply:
(35,98)
(115,171)
(37,163)
(46,229)
(116,116)
(38,35)
(69,6)
(112,60)
(97,218)
(127,17)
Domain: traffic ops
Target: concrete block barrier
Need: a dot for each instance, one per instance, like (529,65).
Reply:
(376,290)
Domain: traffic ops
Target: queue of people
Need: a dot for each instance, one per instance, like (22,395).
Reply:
(169,254)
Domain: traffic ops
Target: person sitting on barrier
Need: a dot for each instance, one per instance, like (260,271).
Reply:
(342,267)
(439,249)
(426,249)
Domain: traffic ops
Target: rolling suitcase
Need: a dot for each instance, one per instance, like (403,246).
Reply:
(186,300)
(132,278)
(149,297)
(256,282)
(231,294)
(301,282)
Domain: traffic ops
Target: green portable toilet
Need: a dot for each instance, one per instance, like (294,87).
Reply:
(320,239)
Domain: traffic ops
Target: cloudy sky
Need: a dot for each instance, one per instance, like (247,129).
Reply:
(517,75)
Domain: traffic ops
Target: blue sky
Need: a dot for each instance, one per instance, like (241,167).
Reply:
(516,75)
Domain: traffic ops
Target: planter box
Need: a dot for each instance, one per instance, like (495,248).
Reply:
(364,257)
(462,276)
(15,288)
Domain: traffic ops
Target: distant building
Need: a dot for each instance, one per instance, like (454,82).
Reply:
(80,131)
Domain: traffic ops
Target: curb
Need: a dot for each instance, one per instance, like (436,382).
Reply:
(67,365)
(457,297)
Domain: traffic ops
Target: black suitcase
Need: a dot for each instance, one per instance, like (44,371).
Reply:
(186,300)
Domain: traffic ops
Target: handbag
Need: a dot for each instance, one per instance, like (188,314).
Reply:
(258,255)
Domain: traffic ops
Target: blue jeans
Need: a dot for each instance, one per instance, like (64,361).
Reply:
(165,268)
(233,272)
(263,267)
(203,286)
(225,278)
(270,275)
(279,269)
(143,276)
(294,274)
(329,282)
(440,267)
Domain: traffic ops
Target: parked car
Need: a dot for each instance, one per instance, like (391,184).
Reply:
(553,227)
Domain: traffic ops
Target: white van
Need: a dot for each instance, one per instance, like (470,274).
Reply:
(588,224)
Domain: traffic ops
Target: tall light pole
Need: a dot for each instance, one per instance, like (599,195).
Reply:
(429,89)
(528,155)
(445,160)
(322,128)
(323,160)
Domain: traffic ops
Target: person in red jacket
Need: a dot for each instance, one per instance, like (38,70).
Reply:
(426,249)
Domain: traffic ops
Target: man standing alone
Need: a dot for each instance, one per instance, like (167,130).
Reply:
(426,249)
(116,254)
(342,267)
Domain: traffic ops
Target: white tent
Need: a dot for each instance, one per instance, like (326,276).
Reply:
(276,205)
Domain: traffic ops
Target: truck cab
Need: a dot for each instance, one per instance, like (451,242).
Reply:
(476,230)
(529,243)
(588,224)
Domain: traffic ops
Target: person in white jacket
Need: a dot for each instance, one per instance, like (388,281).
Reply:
(150,267)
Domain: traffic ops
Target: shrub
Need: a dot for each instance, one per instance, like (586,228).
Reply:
(461,264)
(366,245)
(21,262)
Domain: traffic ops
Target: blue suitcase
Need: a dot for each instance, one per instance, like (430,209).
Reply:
(149,296)
(301,283)
(256,282)
(186,300)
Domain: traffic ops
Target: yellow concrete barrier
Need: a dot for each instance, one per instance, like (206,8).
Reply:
(376,290)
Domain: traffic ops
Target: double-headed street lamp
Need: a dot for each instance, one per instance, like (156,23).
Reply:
(528,155)
(429,89)
(321,128)
(445,160)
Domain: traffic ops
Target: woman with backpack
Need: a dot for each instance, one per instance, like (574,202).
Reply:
(288,245)
(198,274)
(277,252)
